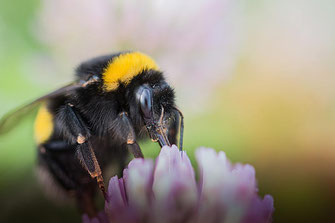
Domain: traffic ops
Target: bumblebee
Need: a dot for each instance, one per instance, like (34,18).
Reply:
(98,119)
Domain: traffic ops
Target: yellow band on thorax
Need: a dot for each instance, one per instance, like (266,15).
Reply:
(43,125)
(124,68)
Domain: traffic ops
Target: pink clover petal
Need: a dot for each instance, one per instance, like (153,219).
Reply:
(101,218)
(259,211)
(116,208)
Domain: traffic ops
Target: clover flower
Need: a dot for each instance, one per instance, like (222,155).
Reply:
(167,191)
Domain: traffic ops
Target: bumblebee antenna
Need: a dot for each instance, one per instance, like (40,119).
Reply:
(181,136)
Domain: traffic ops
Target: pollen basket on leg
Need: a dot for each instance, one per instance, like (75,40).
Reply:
(124,68)
(43,125)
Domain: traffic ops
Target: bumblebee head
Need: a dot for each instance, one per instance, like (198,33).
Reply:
(149,97)
(155,104)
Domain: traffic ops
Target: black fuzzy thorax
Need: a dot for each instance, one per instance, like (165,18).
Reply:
(99,108)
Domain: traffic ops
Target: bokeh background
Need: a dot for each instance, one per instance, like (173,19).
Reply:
(254,78)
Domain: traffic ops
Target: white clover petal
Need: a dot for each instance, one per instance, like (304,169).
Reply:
(174,185)
(214,171)
(138,180)
(172,165)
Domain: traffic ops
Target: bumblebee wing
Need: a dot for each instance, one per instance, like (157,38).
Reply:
(10,120)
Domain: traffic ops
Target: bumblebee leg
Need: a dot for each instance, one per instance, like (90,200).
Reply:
(135,150)
(76,131)
(173,129)
(176,126)
(126,134)
(55,168)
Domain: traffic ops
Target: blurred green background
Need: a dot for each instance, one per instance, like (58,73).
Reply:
(254,78)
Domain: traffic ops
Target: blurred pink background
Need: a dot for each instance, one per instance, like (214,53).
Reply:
(254,78)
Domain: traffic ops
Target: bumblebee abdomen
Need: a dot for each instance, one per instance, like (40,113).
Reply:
(44,125)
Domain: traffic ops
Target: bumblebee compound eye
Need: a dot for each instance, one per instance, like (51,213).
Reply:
(154,127)
(145,101)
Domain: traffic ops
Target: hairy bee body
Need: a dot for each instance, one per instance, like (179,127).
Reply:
(58,157)
(96,121)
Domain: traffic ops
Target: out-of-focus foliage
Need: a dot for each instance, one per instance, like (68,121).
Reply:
(254,78)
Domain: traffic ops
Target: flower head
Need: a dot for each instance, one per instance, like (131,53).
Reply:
(167,191)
